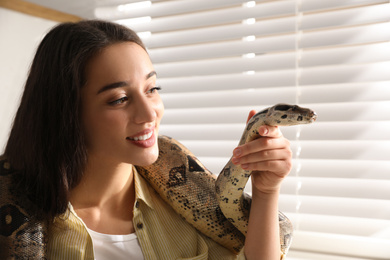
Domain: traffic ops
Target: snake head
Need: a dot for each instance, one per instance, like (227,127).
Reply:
(285,114)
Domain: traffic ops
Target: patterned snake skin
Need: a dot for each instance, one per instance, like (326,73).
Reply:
(217,208)
(21,236)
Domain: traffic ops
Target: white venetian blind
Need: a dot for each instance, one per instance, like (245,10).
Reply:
(218,59)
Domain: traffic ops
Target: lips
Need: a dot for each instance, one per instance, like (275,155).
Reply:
(143,139)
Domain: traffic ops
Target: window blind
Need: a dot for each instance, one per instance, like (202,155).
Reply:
(216,60)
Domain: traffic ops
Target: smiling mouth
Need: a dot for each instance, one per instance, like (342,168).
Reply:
(141,137)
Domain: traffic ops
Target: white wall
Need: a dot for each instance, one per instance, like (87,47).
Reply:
(20,35)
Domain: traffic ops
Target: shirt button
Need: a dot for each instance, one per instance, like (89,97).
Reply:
(140,225)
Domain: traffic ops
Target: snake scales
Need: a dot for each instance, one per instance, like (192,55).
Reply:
(217,207)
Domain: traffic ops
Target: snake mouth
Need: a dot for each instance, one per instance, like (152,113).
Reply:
(314,116)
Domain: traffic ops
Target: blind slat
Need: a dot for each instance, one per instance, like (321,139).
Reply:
(346,55)
(217,17)
(343,93)
(341,244)
(304,255)
(345,74)
(108,3)
(308,76)
(346,36)
(164,9)
(338,168)
(231,98)
(347,207)
(227,65)
(346,17)
(356,188)
(320,5)
(353,111)
(340,225)
(228,81)
(344,150)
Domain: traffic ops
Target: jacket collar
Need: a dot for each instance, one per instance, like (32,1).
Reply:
(142,189)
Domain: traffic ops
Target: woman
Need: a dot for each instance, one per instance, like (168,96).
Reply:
(89,113)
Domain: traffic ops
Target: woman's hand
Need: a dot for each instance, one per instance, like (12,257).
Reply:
(268,157)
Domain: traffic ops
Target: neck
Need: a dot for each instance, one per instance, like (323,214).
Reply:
(104,183)
(105,197)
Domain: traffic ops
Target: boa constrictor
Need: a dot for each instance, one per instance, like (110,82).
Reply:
(217,207)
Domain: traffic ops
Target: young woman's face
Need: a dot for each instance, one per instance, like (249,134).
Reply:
(121,107)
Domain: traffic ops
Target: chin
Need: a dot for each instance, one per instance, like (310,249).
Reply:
(149,158)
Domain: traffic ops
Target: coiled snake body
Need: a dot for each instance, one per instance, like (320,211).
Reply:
(217,207)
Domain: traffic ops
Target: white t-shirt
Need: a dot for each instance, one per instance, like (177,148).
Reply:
(116,247)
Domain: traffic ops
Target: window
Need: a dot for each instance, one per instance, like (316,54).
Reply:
(218,59)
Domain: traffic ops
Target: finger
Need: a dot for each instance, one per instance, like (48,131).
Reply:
(266,155)
(251,114)
(261,144)
(270,131)
(280,168)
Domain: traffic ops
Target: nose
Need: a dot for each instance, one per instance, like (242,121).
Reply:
(145,111)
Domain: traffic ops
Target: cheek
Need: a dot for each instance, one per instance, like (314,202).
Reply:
(103,126)
(160,110)
(112,123)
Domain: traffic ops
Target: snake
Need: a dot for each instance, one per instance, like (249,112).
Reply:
(216,205)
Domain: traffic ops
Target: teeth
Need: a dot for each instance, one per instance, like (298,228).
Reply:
(143,137)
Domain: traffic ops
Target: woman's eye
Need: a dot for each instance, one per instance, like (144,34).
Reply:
(154,89)
(119,101)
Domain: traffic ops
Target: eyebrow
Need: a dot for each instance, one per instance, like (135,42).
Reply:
(121,84)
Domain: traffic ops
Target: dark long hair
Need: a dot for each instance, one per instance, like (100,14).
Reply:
(46,144)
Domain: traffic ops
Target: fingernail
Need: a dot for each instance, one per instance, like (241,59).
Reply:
(235,160)
(237,152)
(244,166)
(265,131)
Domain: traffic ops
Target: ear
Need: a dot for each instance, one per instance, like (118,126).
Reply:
(251,114)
